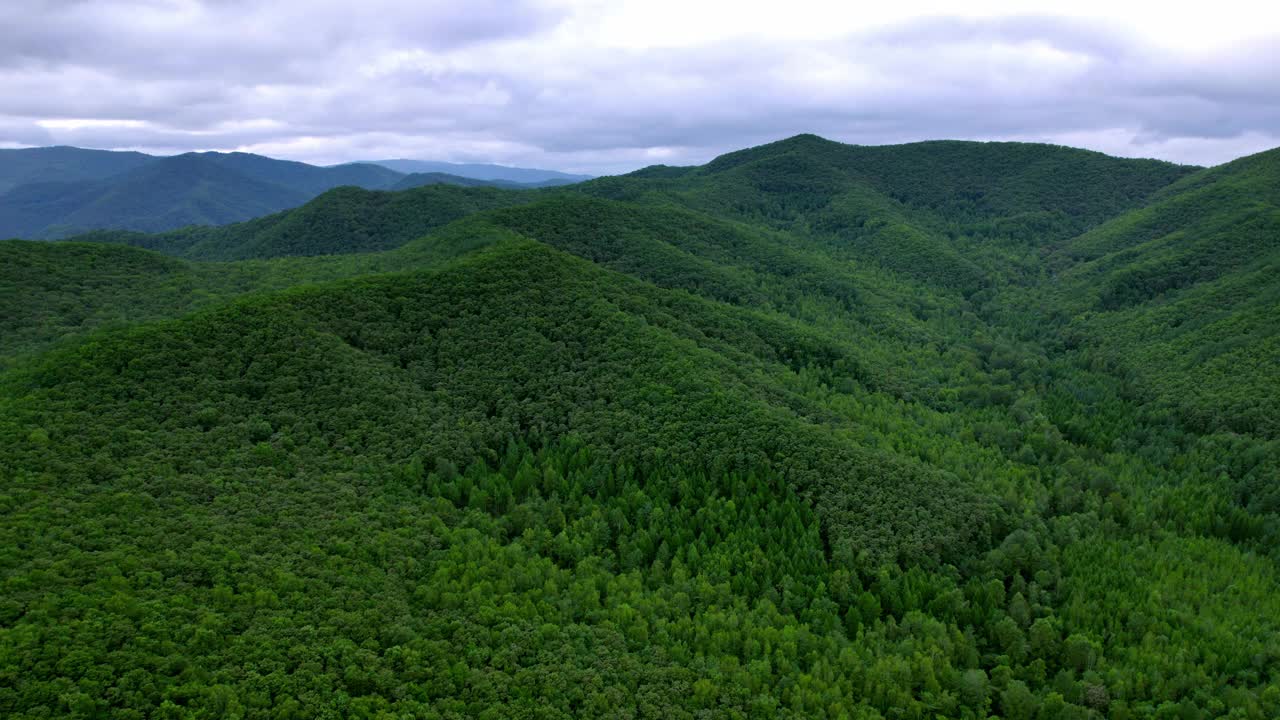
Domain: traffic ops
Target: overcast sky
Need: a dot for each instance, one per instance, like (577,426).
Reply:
(599,87)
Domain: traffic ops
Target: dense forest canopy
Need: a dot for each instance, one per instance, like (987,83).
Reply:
(942,430)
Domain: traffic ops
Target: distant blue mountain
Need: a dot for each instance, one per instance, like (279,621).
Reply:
(480,171)
(63,164)
(54,192)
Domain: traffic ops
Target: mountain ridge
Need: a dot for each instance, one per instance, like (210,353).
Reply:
(820,432)
(62,163)
(480,171)
(51,193)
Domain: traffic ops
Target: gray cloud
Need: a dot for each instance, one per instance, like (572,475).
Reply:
(503,81)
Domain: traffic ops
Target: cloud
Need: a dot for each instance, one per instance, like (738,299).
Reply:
(591,87)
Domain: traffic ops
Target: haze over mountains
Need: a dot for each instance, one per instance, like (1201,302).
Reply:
(60,191)
(945,429)
(482,171)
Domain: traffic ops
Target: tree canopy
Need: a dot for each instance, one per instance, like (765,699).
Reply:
(953,430)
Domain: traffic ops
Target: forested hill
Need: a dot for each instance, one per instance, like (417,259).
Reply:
(343,220)
(61,191)
(1183,293)
(950,181)
(948,213)
(813,430)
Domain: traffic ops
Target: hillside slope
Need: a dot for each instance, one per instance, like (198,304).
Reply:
(57,293)
(957,179)
(1183,293)
(948,213)
(788,435)
(342,221)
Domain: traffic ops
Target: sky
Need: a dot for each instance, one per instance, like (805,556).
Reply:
(606,86)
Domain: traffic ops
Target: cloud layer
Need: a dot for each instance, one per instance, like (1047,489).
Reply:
(604,87)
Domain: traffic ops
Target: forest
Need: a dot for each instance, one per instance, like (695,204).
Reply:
(939,430)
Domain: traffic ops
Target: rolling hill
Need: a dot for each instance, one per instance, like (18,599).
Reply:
(1182,294)
(342,220)
(51,193)
(813,430)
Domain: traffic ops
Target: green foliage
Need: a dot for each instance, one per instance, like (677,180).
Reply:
(1184,296)
(58,292)
(342,221)
(926,210)
(962,180)
(947,430)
